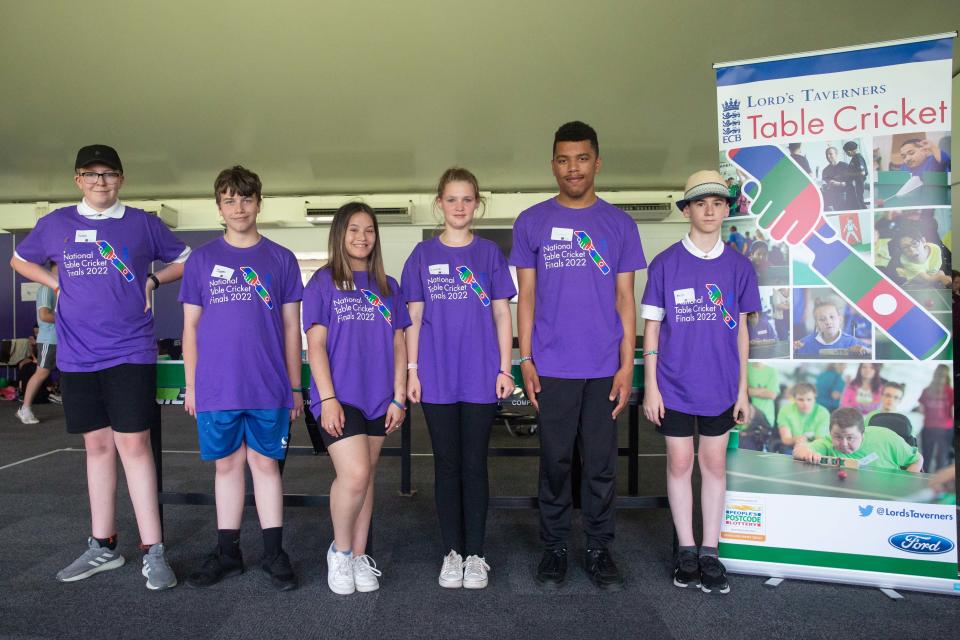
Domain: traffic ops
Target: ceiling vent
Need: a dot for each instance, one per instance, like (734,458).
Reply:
(386,214)
(654,211)
(170,216)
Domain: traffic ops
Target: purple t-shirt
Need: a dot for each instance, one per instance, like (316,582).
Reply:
(241,361)
(458,357)
(698,365)
(360,327)
(102,267)
(577,254)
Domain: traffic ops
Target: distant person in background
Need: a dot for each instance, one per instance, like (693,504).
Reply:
(737,241)
(872,447)
(858,174)
(835,182)
(760,328)
(920,156)
(781,312)
(46,349)
(800,159)
(890,397)
(828,334)
(733,188)
(936,403)
(763,387)
(956,302)
(830,386)
(747,242)
(802,420)
(863,393)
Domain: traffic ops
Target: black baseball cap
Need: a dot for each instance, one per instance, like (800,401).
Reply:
(98,154)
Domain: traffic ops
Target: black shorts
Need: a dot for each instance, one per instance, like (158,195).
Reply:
(123,397)
(47,355)
(356,424)
(681,425)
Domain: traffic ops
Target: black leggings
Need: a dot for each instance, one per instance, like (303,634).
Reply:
(460,434)
(935,445)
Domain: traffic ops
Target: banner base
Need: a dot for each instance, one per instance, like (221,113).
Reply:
(852,577)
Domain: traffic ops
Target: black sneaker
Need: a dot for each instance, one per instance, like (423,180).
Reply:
(602,570)
(214,569)
(686,570)
(280,571)
(713,575)
(552,570)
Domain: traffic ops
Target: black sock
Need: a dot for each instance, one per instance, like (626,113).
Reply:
(708,551)
(228,542)
(272,541)
(692,549)
(109,543)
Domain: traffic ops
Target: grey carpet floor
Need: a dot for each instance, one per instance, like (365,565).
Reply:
(44,523)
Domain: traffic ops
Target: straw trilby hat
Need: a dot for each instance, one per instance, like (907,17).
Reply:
(702,184)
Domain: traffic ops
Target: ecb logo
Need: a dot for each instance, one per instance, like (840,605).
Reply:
(730,121)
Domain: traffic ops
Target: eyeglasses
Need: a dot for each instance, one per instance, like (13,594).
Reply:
(109,177)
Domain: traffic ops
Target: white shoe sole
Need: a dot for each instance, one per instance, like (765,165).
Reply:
(450,584)
(161,587)
(341,591)
(367,588)
(475,584)
(116,563)
(724,591)
(677,583)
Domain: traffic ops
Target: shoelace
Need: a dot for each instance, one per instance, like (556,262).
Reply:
(711,566)
(344,566)
(452,562)
(473,564)
(368,564)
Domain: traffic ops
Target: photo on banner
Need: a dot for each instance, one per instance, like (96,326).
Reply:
(840,164)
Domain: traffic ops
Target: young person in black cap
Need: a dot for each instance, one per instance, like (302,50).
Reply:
(107,349)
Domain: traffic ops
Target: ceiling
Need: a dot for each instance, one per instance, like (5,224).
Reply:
(366,97)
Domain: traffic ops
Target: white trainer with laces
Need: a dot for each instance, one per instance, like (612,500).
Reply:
(365,574)
(475,572)
(451,574)
(340,572)
(26,415)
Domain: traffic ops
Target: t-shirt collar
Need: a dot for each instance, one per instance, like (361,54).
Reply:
(820,338)
(115,212)
(694,250)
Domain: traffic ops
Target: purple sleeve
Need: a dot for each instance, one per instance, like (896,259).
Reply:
(166,246)
(399,306)
(412,288)
(653,292)
(315,307)
(293,285)
(501,282)
(190,287)
(631,251)
(523,255)
(748,297)
(33,248)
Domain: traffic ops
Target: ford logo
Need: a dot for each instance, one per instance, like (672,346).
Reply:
(923,543)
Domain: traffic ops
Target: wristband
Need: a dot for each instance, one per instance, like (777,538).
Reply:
(296,389)
(504,373)
(330,398)
(525,359)
(156,280)
(397,404)
(412,365)
(650,353)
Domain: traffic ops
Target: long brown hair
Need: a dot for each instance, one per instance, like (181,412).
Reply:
(339,261)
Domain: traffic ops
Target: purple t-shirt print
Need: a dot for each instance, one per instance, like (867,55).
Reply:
(360,327)
(241,361)
(577,254)
(103,266)
(458,358)
(699,301)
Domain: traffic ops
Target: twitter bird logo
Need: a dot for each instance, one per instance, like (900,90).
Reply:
(865,511)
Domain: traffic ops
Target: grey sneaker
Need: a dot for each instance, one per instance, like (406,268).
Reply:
(94,560)
(451,574)
(26,415)
(158,573)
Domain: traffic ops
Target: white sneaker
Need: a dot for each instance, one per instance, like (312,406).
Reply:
(451,575)
(340,572)
(475,572)
(365,574)
(26,415)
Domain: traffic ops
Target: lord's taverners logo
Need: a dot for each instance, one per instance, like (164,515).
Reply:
(922,543)
(743,520)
